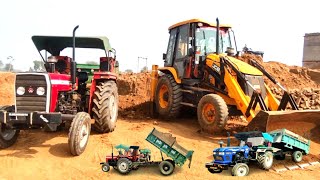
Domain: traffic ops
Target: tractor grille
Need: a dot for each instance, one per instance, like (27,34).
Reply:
(30,100)
(218,158)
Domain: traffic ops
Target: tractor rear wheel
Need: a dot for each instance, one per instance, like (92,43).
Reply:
(105,107)
(124,165)
(79,133)
(265,160)
(168,97)
(7,136)
(212,113)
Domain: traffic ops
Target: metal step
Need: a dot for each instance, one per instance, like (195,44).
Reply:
(187,91)
(188,104)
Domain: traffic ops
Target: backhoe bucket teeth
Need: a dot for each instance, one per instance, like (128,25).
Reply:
(302,122)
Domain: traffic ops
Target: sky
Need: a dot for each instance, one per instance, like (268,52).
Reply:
(140,28)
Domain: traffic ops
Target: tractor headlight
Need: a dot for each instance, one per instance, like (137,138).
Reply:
(40,91)
(221,153)
(214,153)
(21,90)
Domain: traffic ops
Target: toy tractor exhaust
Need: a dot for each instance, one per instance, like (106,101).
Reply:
(301,121)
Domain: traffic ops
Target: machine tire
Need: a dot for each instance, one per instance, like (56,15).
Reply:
(7,136)
(79,133)
(166,168)
(265,160)
(105,107)
(105,167)
(172,162)
(214,171)
(124,165)
(216,121)
(240,169)
(297,156)
(168,97)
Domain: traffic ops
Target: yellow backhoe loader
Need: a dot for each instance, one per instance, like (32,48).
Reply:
(201,70)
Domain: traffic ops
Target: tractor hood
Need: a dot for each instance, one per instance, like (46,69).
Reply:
(55,44)
(231,149)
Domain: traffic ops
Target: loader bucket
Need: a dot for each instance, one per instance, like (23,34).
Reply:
(303,122)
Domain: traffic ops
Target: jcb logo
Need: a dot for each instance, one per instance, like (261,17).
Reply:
(216,68)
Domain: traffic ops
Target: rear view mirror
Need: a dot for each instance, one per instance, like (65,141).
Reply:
(164,56)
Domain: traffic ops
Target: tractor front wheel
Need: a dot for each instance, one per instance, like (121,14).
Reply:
(297,156)
(212,113)
(168,97)
(79,133)
(8,136)
(105,107)
(240,169)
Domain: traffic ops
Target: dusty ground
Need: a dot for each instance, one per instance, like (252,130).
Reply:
(40,155)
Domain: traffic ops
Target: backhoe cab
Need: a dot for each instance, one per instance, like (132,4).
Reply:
(201,70)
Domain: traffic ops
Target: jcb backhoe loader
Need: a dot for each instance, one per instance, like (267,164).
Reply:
(201,70)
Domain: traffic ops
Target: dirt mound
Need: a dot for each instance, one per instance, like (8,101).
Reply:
(7,88)
(134,93)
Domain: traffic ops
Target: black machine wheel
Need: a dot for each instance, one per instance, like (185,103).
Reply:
(212,113)
(265,160)
(166,168)
(105,167)
(172,162)
(214,170)
(8,136)
(79,133)
(297,156)
(105,107)
(124,165)
(168,97)
(240,169)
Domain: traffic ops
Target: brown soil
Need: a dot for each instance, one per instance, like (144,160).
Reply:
(41,155)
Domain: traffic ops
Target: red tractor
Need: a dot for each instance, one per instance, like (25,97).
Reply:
(60,97)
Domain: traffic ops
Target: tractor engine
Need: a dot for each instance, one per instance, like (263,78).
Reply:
(69,103)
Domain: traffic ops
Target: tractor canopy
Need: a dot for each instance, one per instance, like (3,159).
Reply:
(121,146)
(55,44)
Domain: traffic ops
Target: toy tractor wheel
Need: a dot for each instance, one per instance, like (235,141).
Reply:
(297,156)
(214,170)
(172,162)
(124,165)
(8,136)
(79,133)
(105,167)
(166,168)
(265,160)
(240,169)
(212,113)
(168,97)
(105,107)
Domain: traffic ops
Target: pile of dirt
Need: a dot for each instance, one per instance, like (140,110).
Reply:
(134,94)
(7,88)
(291,77)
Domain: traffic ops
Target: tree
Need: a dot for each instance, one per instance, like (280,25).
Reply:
(1,64)
(92,62)
(38,65)
(128,71)
(8,67)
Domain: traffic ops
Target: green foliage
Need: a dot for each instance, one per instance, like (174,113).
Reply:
(92,62)
(128,71)
(38,65)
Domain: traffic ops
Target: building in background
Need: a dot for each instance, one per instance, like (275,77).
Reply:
(311,51)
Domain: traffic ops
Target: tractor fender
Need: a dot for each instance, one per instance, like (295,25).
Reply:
(172,71)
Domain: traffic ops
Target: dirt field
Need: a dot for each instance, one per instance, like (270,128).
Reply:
(40,155)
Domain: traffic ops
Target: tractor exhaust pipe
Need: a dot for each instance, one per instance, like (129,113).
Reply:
(73,62)
(217,36)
